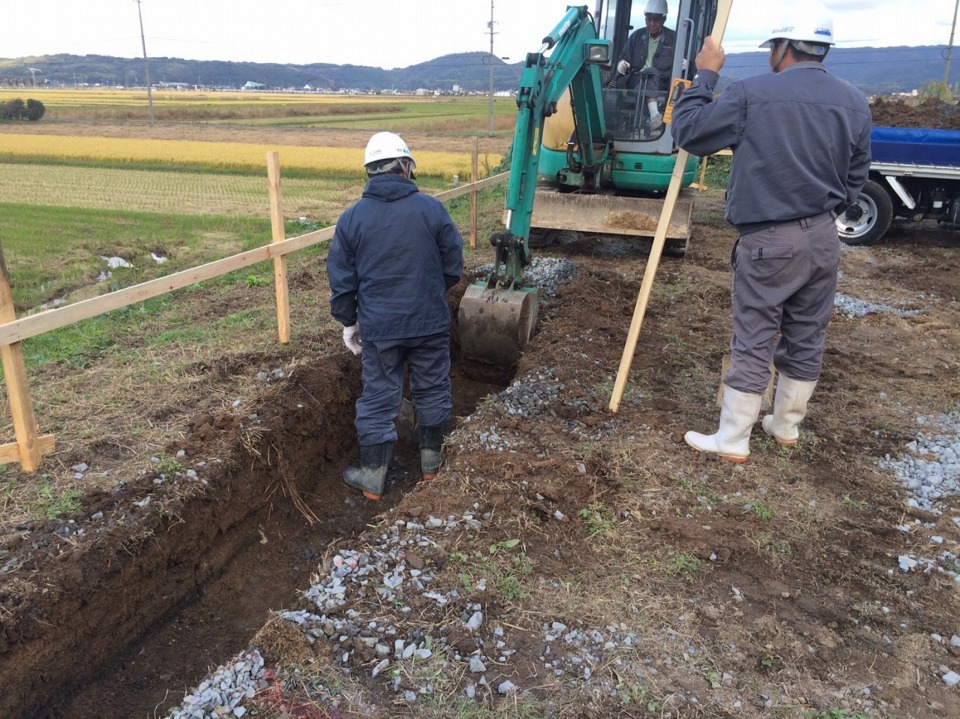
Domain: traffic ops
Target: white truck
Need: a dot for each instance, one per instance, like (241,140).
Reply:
(914,175)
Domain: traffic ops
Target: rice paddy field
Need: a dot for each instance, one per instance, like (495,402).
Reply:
(96,155)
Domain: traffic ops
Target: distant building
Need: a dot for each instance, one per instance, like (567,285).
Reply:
(251,85)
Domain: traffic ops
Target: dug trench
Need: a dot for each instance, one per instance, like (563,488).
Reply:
(184,565)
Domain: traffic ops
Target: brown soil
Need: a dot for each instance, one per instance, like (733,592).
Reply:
(930,113)
(781,574)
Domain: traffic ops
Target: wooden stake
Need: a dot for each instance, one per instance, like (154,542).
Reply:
(659,239)
(279,235)
(29,444)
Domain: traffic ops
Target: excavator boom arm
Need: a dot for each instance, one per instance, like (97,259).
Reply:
(573,64)
(497,315)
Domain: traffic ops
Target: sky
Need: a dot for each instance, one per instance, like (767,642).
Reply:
(393,33)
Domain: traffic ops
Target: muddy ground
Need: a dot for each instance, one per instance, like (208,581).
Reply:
(781,576)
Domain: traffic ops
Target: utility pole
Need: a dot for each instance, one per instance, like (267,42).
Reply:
(146,67)
(946,66)
(490,62)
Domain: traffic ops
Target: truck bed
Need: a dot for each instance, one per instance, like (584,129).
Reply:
(915,146)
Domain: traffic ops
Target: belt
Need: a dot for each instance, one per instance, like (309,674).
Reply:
(749,228)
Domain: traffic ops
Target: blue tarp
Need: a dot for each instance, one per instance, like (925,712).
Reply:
(915,146)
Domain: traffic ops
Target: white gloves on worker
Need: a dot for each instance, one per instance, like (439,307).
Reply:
(351,338)
(623,67)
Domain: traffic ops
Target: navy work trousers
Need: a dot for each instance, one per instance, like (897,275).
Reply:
(428,359)
(784,280)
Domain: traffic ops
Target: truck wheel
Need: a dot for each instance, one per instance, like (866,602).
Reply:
(868,219)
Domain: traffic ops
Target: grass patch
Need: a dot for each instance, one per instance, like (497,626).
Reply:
(53,251)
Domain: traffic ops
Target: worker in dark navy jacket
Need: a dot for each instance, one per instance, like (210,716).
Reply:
(394,255)
(801,154)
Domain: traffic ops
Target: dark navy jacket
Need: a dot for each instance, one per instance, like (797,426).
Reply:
(800,140)
(394,255)
(635,52)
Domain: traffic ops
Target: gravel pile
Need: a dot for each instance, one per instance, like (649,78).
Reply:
(931,470)
(852,307)
(930,473)
(534,397)
(383,613)
(547,273)
(222,693)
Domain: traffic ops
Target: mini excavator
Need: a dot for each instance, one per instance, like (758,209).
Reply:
(588,156)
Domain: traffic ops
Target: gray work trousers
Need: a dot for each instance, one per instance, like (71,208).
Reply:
(784,280)
(383,362)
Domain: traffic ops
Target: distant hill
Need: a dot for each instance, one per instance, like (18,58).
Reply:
(468,70)
(873,70)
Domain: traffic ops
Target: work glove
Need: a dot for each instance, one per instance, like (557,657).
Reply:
(351,338)
(623,67)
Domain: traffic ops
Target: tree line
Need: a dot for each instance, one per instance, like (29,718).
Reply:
(17,109)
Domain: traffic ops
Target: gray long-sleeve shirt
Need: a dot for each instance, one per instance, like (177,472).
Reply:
(800,140)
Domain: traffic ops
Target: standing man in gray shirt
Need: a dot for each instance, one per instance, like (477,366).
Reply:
(801,152)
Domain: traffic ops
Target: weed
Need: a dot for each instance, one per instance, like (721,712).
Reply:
(683,565)
(523,564)
(762,511)
(634,695)
(51,505)
(713,678)
(771,663)
(848,501)
(510,588)
(702,492)
(768,541)
(503,544)
(257,281)
(833,714)
(169,465)
(597,518)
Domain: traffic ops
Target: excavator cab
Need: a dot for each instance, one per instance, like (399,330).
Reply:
(588,155)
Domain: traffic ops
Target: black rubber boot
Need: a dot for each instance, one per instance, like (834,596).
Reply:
(431,449)
(371,477)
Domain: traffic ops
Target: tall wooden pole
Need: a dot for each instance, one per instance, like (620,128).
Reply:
(281,284)
(146,65)
(946,65)
(490,61)
(659,239)
(29,445)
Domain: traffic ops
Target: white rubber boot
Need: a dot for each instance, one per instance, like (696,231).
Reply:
(738,414)
(656,119)
(789,409)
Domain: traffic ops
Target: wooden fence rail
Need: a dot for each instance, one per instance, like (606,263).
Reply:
(29,447)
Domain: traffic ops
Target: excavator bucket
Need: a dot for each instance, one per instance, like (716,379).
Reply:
(496,324)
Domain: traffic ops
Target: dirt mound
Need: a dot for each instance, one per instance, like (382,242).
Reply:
(930,113)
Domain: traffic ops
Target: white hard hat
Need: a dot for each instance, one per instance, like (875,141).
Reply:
(810,30)
(386,146)
(656,7)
